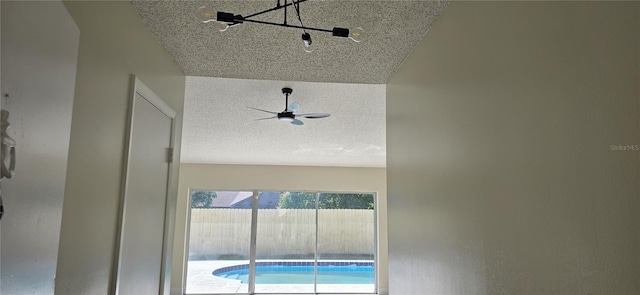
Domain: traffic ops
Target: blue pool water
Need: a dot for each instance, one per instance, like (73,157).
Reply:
(302,273)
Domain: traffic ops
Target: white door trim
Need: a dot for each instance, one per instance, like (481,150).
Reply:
(152,97)
(139,88)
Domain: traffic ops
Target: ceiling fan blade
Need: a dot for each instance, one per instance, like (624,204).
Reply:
(296,122)
(267,118)
(313,115)
(293,107)
(270,112)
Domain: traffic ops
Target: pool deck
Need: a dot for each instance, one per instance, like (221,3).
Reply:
(200,280)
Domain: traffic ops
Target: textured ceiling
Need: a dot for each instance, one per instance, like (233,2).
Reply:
(219,127)
(252,51)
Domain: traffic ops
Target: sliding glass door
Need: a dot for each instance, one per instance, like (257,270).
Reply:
(219,242)
(346,243)
(282,242)
(286,245)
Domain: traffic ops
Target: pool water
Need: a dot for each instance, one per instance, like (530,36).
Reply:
(360,273)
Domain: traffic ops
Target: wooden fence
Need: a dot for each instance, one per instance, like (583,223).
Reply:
(281,233)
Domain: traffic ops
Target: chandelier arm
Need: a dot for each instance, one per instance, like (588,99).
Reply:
(275,8)
(297,9)
(287,26)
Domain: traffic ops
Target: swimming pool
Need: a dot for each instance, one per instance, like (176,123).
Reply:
(297,272)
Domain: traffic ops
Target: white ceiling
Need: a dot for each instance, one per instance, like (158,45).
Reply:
(219,127)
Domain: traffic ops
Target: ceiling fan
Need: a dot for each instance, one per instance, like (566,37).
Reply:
(289,115)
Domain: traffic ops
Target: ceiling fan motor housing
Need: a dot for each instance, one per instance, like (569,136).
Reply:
(286,116)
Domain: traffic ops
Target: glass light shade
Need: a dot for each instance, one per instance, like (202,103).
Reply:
(205,14)
(285,119)
(357,34)
(309,48)
(307,43)
(221,26)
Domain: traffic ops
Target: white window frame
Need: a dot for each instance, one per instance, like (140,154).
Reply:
(253,239)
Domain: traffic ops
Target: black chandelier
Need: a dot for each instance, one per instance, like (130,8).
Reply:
(224,20)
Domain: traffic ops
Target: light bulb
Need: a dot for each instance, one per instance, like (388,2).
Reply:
(357,34)
(221,26)
(206,14)
(308,48)
(307,43)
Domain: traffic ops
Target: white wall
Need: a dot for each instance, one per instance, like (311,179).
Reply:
(0,184)
(38,73)
(294,178)
(114,44)
(501,175)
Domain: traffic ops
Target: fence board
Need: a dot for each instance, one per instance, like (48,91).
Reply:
(282,233)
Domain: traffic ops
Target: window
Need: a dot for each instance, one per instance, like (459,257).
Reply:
(281,242)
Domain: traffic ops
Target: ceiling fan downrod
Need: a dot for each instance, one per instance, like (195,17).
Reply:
(286,91)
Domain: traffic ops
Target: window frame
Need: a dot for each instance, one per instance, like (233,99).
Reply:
(253,236)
